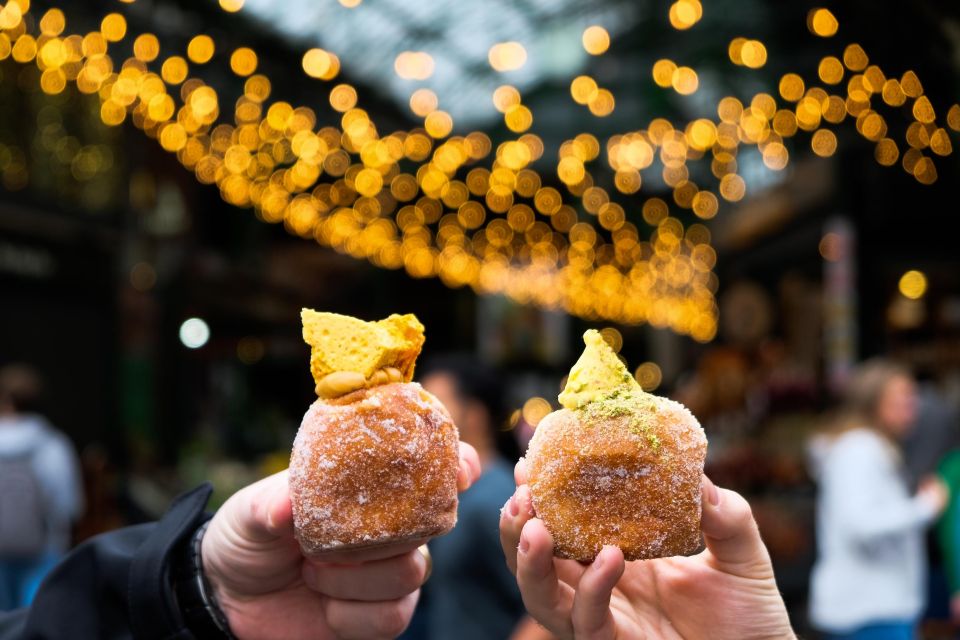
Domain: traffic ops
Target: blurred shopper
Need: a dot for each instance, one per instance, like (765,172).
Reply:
(937,431)
(869,577)
(934,435)
(41,491)
(472,594)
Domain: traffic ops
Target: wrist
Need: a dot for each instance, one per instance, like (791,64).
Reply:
(197,596)
(219,582)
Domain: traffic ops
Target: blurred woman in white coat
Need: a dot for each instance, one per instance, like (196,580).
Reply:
(869,578)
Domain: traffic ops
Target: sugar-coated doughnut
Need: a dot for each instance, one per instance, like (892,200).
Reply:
(616,466)
(630,480)
(374,467)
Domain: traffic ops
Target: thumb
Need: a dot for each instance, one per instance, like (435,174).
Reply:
(262,511)
(731,534)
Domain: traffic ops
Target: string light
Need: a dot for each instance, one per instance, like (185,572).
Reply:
(231,6)
(243,61)
(684,80)
(507,56)
(423,102)
(913,284)
(649,376)
(201,48)
(414,65)
(597,278)
(685,13)
(583,89)
(753,54)
(822,23)
(595,40)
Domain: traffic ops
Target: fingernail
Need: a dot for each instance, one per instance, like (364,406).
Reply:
(512,507)
(524,544)
(598,561)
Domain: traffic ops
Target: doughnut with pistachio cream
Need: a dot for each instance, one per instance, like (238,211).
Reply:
(616,465)
(375,460)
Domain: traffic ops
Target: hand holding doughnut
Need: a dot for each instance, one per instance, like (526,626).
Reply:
(727,591)
(268,589)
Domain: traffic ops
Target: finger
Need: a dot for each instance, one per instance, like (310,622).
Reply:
(592,617)
(521,472)
(262,511)
(389,579)
(544,596)
(515,513)
(469,470)
(731,533)
(370,620)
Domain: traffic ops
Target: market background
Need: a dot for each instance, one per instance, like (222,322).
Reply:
(148,274)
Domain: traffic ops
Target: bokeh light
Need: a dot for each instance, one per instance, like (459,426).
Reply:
(194,333)
(684,14)
(649,376)
(913,284)
(507,56)
(330,180)
(822,22)
(534,410)
(613,337)
(414,65)
(201,49)
(595,40)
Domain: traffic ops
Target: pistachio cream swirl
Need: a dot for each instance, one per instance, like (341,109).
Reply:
(599,387)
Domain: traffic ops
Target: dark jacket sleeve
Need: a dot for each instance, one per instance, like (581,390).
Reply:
(116,585)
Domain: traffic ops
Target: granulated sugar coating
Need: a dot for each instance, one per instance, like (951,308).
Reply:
(374,467)
(624,471)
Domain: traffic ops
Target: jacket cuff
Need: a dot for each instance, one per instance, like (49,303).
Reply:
(153,606)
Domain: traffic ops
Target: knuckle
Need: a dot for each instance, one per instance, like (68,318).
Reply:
(257,507)
(392,619)
(332,613)
(410,573)
(742,513)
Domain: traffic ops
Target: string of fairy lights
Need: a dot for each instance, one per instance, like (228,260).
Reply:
(455,207)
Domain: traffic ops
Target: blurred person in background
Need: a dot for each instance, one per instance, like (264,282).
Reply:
(937,431)
(869,578)
(41,491)
(931,447)
(472,594)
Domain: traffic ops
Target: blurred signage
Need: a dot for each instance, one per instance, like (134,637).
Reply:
(840,301)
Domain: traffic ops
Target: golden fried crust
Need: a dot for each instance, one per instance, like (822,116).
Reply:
(374,467)
(600,480)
